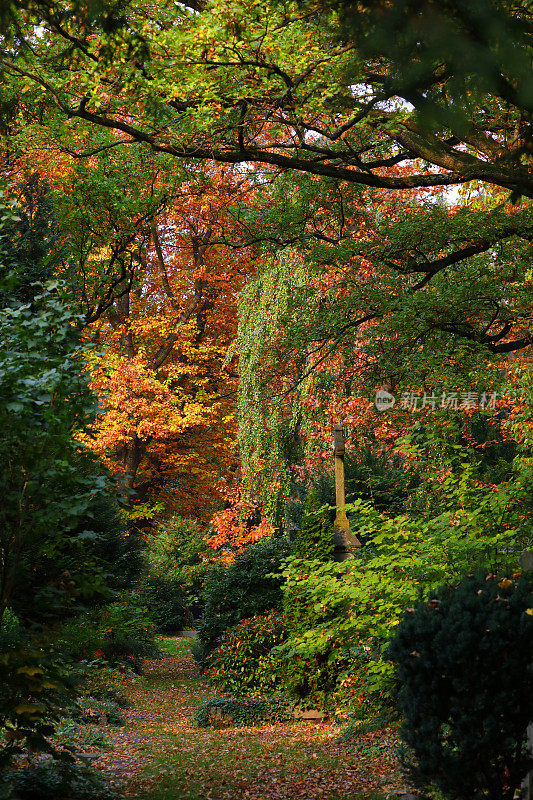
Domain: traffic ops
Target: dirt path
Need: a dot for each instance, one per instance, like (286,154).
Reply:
(161,755)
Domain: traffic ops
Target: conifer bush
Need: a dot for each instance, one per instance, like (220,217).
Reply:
(464,664)
(177,561)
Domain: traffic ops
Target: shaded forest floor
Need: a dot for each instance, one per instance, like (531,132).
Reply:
(161,754)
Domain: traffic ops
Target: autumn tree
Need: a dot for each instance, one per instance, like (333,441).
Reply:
(311,87)
(308,87)
(339,309)
(167,426)
(141,248)
(292,87)
(152,258)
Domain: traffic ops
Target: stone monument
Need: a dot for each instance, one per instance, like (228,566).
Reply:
(345,540)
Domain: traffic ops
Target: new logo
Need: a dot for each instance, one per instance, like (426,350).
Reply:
(384,400)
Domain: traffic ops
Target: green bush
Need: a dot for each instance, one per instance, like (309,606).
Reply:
(377,475)
(242,664)
(119,633)
(254,656)
(58,780)
(36,683)
(309,681)
(117,549)
(243,589)
(315,537)
(310,668)
(50,480)
(342,616)
(85,570)
(177,561)
(10,624)
(12,633)
(465,686)
(166,600)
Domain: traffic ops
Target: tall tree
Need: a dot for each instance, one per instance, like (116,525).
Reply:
(342,310)
(296,86)
(311,86)
(146,262)
(167,427)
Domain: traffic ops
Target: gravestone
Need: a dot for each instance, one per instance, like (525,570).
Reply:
(526,560)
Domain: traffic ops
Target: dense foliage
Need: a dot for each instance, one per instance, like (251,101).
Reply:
(217,215)
(221,711)
(344,619)
(242,663)
(176,564)
(120,633)
(45,399)
(314,539)
(463,665)
(63,548)
(246,587)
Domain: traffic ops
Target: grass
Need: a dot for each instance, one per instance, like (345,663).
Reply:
(295,761)
(174,646)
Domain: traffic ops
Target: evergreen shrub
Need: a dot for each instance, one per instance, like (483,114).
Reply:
(243,664)
(464,665)
(166,601)
(121,633)
(243,589)
(36,683)
(60,780)
(177,561)
(10,629)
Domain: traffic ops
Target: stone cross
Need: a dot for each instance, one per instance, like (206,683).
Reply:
(344,539)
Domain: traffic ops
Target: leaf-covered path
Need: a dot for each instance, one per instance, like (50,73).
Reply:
(160,754)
